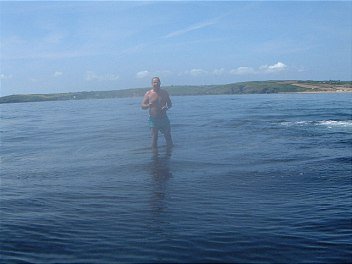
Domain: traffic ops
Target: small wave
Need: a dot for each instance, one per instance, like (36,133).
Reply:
(326,123)
(296,123)
(334,123)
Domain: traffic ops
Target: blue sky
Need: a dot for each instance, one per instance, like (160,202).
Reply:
(51,47)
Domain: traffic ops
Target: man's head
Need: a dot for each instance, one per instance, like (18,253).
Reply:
(156,83)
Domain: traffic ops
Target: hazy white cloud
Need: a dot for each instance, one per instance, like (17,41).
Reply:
(197,72)
(278,67)
(190,28)
(58,74)
(301,69)
(5,76)
(243,71)
(218,72)
(91,76)
(142,74)
(150,74)
(298,68)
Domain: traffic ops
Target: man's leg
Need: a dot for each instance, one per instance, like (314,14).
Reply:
(154,132)
(168,138)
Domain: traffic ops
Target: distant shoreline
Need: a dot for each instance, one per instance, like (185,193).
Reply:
(255,87)
(323,92)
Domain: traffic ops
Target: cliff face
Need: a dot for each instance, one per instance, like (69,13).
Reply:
(234,88)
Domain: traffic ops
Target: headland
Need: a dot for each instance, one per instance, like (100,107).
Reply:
(254,87)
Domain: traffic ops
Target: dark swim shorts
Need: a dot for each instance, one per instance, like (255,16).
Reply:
(161,123)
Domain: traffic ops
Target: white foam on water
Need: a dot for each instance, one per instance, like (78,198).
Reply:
(326,123)
(334,123)
(295,123)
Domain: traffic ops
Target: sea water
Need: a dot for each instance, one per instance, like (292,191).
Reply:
(252,178)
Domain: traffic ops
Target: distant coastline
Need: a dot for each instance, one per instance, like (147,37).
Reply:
(255,87)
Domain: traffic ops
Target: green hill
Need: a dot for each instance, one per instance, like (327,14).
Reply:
(234,88)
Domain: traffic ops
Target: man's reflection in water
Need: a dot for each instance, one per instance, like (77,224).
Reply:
(160,171)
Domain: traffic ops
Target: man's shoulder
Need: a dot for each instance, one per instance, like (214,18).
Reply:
(149,92)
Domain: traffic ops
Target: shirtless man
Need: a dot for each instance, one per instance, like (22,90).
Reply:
(158,102)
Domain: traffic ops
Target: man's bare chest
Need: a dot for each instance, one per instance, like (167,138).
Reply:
(156,97)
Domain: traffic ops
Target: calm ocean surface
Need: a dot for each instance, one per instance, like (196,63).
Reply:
(252,178)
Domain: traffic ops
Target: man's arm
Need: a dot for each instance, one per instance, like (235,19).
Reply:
(168,100)
(145,102)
